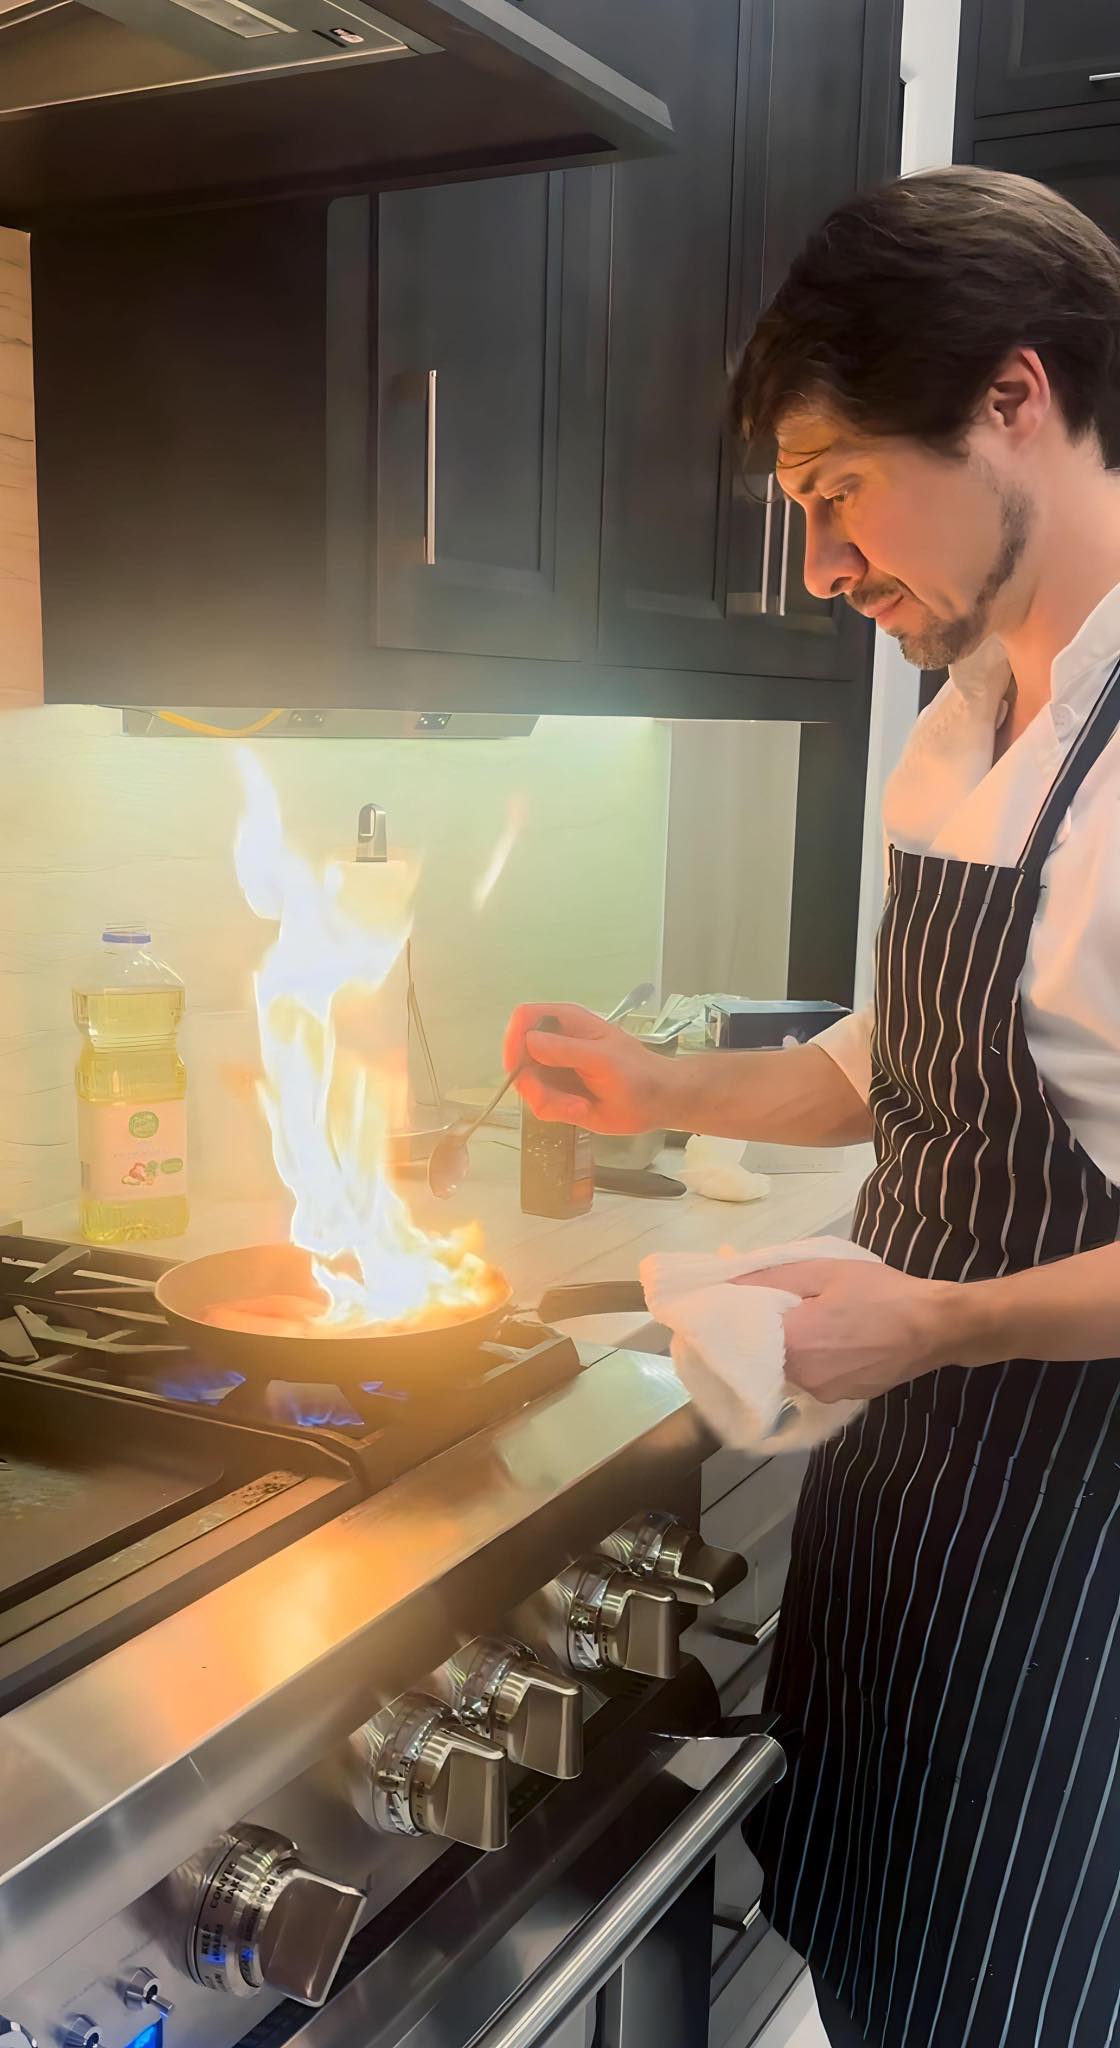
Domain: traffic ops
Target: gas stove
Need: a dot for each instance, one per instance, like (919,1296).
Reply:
(236,1619)
(90,1316)
(217,1471)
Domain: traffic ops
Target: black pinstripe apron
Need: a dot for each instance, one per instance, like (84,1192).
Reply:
(946,1848)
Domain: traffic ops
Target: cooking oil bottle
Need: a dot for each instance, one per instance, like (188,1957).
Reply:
(132,1086)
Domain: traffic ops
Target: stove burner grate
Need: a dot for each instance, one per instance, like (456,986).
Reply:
(80,1312)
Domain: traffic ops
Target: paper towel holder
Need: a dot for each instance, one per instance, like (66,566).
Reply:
(412,1145)
(373,834)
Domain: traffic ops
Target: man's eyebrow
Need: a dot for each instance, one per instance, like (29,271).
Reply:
(799,480)
(806,479)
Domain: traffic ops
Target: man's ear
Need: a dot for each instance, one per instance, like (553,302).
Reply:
(1018,400)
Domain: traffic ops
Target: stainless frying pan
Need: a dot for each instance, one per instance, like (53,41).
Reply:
(192,1295)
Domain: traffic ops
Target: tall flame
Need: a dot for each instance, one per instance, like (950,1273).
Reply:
(330,1111)
(516,813)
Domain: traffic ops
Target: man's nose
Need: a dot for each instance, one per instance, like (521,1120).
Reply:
(833,567)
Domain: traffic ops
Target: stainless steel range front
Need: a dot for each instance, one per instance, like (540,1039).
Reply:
(333,1720)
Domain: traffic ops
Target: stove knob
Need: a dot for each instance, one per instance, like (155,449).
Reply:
(503,1694)
(141,1993)
(429,1776)
(657,1546)
(620,1623)
(265,1920)
(12,2035)
(81,2033)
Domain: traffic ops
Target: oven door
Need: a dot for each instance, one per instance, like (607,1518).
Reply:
(591,1929)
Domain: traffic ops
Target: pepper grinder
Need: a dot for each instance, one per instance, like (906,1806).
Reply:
(557,1160)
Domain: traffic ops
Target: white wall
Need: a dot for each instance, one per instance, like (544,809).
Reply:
(930,41)
(96,828)
(931,33)
(729,882)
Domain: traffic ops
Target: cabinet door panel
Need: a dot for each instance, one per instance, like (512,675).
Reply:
(489,388)
(701,563)
(1035,53)
(667,461)
(1081,163)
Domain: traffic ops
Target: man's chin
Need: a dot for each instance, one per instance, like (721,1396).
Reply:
(917,649)
(939,647)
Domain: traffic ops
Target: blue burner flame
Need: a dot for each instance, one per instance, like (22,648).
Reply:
(297,1406)
(207,1385)
(311,1407)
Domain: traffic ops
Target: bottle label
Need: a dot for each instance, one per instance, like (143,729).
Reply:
(132,1154)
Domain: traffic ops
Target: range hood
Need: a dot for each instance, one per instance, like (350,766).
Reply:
(124,104)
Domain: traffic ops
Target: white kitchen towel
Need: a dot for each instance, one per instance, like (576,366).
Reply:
(713,1167)
(729,1342)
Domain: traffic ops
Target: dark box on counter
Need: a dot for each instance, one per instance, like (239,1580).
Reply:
(740,1023)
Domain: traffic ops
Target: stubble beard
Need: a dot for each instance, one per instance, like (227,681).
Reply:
(938,643)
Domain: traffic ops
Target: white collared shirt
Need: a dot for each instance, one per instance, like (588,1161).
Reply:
(947,797)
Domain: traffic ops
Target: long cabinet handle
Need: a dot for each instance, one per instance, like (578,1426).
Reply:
(783,581)
(430,472)
(1103,77)
(767,544)
(601,1943)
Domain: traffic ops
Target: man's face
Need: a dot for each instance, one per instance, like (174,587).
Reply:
(927,545)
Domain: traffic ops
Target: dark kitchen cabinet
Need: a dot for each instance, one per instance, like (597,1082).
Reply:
(1084,165)
(1033,54)
(462,447)
(702,563)
(1081,163)
(180,402)
(489,542)
(490,339)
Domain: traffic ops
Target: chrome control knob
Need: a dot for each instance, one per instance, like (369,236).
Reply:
(428,1776)
(141,1993)
(657,1546)
(264,1919)
(81,2033)
(12,2035)
(499,1691)
(620,1623)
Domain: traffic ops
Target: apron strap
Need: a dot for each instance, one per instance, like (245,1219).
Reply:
(1086,751)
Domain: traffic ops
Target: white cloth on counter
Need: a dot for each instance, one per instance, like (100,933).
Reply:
(729,1343)
(713,1167)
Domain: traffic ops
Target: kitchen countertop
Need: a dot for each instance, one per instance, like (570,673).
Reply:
(537,1252)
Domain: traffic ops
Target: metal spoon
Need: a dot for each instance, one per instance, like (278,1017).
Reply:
(449,1160)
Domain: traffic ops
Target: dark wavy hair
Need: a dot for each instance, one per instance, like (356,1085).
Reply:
(899,310)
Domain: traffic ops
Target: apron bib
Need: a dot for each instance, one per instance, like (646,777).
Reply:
(945,1850)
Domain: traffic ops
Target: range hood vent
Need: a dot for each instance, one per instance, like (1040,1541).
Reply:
(113,49)
(139,104)
(138,722)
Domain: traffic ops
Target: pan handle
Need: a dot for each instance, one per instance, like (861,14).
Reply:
(592,1298)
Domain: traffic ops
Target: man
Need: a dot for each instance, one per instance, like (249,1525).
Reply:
(939,373)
